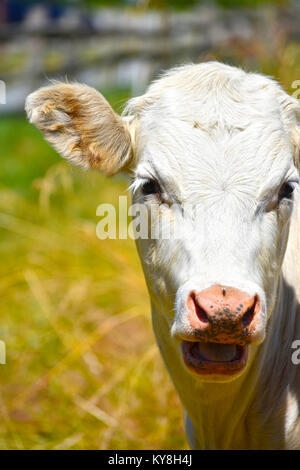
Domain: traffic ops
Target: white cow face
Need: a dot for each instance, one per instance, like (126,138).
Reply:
(215,163)
(213,153)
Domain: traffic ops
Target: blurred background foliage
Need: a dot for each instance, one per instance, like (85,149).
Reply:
(177,4)
(83,370)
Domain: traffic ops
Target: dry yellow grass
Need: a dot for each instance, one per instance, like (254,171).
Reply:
(83,370)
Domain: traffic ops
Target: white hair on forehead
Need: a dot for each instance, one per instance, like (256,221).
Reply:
(216,94)
(210,75)
(193,79)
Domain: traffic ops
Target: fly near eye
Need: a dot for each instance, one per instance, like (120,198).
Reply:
(150,187)
(286,191)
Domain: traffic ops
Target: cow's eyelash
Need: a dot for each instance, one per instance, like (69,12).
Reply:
(286,191)
(134,186)
(146,185)
(271,203)
(270,195)
(137,184)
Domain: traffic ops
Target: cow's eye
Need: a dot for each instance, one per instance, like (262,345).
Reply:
(150,187)
(286,191)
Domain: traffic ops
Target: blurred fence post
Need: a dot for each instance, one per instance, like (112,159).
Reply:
(2,352)
(2,92)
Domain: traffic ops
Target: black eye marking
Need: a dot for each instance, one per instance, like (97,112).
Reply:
(286,191)
(150,187)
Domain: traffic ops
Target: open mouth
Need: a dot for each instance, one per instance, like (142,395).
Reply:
(214,358)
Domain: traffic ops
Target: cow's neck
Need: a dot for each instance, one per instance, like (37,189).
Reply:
(216,411)
(260,408)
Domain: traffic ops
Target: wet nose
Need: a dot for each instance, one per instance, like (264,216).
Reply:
(223,314)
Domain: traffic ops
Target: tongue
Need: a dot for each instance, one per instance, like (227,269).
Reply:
(217,352)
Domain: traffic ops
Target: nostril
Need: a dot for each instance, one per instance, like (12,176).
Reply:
(201,314)
(249,314)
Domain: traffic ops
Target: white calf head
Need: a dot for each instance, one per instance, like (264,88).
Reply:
(213,152)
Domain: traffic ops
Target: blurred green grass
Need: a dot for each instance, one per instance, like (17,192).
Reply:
(83,370)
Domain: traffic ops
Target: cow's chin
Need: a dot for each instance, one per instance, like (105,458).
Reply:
(215,362)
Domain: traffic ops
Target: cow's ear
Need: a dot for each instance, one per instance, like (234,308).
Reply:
(81,126)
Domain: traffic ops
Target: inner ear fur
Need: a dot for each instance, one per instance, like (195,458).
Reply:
(82,126)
